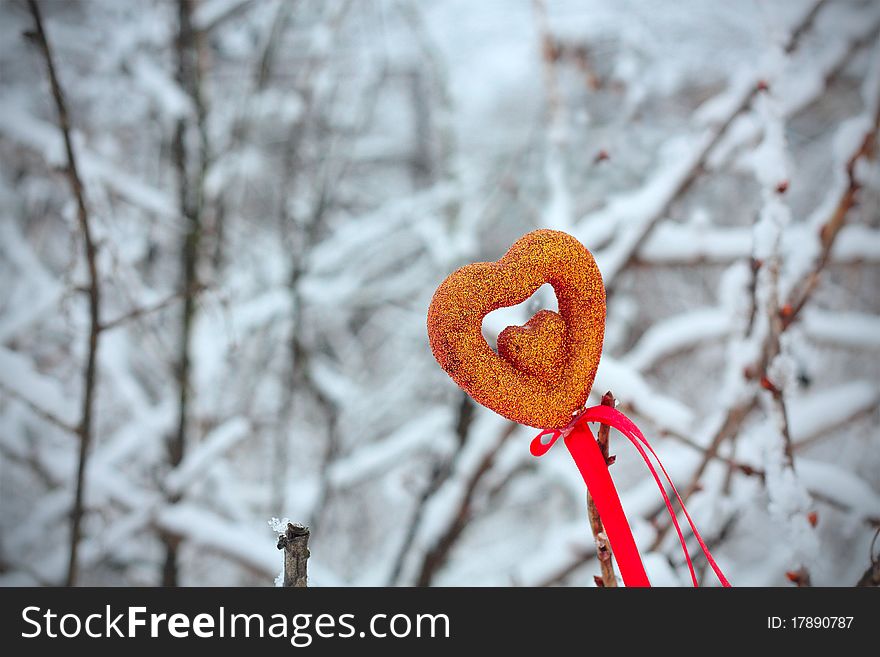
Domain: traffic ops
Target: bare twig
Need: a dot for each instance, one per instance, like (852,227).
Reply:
(295,543)
(795,37)
(773,347)
(603,547)
(830,230)
(784,429)
(733,419)
(84,429)
(136,313)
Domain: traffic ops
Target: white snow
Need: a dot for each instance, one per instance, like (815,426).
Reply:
(278,525)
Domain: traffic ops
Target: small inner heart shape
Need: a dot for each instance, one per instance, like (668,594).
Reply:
(543,371)
(537,347)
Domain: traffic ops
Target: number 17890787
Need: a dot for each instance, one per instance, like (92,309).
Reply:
(809,622)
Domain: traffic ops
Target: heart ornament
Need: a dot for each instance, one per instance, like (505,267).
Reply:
(543,370)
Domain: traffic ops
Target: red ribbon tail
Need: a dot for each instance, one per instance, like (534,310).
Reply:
(594,470)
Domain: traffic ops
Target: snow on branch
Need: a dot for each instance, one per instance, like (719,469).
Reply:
(392,450)
(674,334)
(216,443)
(635,393)
(682,244)
(845,329)
(819,413)
(842,487)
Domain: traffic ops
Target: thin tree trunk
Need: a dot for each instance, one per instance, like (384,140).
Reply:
(190,185)
(84,429)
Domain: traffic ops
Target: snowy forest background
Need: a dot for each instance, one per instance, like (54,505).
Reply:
(271,191)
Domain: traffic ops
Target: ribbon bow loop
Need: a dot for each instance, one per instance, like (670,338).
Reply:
(541,444)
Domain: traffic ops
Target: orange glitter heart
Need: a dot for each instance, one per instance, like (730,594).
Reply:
(543,371)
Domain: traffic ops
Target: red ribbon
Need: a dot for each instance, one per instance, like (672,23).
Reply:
(589,460)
